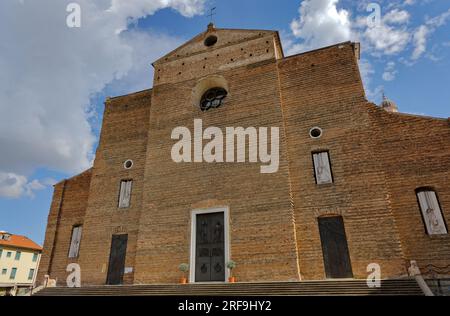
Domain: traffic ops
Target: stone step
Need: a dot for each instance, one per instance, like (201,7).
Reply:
(308,288)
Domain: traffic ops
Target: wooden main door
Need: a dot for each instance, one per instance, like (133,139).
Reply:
(334,247)
(117,259)
(210,248)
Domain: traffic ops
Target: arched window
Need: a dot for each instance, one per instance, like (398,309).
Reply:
(213,98)
(431,211)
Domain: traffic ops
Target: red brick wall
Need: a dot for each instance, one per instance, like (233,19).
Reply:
(67,210)
(415,152)
(123,137)
(378,160)
(261,214)
(323,88)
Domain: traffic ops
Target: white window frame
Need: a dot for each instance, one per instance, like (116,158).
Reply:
(316,164)
(428,200)
(226,220)
(123,191)
(74,248)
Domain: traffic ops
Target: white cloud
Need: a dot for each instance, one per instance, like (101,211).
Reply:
(390,37)
(320,24)
(367,71)
(49,72)
(125,11)
(48,181)
(396,16)
(324,22)
(389,71)
(424,31)
(386,40)
(147,47)
(420,41)
(439,20)
(14,186)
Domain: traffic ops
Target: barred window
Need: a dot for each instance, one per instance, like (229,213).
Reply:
(213,98)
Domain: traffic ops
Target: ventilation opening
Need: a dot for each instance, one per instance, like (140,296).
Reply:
(315,132)
(128,164)
(211,40)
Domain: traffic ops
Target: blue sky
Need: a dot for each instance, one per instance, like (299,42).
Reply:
(54,79)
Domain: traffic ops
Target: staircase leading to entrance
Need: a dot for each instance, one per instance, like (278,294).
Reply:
(304,288)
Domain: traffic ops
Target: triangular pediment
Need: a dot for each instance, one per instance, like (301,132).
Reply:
(225,37)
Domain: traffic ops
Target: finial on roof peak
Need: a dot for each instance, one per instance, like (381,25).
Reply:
(388,105)
(211,15)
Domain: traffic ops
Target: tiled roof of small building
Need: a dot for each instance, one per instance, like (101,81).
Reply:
(18,241)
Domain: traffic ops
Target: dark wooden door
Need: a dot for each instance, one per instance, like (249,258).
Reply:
(334,247)
(210,248)
(117,259)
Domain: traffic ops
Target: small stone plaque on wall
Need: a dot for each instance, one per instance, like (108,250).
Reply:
(128,270)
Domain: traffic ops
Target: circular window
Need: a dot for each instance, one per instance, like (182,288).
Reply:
(128,164)
(213,98)
(211,40)
(315,132)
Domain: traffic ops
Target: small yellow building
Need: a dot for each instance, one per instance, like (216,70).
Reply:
(19,262)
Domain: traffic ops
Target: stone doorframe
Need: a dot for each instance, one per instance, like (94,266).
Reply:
(226,220)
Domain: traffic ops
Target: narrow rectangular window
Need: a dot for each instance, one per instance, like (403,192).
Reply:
(1,252)
(322,168)
(75,241)
(18,253)
(431,212)
(12,276)
(35,256)
(125,193)
(31,274)
(8,254)
(4,271)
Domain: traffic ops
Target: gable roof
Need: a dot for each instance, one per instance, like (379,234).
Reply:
(75,176)
(226,37)
(18,241)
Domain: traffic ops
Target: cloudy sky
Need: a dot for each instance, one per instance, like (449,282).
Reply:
(54,79)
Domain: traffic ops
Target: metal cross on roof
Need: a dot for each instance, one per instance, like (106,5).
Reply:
(212,13)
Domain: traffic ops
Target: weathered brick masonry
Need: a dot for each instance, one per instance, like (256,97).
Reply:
(378,160)
(67,210)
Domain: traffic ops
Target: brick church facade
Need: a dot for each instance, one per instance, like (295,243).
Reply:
(136,215)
